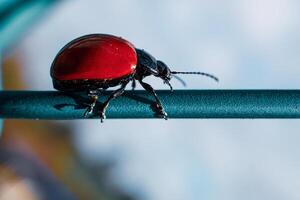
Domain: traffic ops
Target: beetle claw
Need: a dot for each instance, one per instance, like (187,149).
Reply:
(102,116)
(164,115)
(162,112)
(89,110)
(86,113)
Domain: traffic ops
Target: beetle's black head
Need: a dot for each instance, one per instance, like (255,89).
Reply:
(164,72)
(148,65)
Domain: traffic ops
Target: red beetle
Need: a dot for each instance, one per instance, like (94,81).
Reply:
(96,62)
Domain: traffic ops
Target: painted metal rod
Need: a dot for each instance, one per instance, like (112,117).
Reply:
(139,104)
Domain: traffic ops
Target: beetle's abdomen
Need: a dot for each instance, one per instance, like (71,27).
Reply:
(95,57)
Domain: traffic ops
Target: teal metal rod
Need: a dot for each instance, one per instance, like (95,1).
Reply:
(139,104)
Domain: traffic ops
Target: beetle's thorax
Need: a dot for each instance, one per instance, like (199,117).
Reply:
(146,65)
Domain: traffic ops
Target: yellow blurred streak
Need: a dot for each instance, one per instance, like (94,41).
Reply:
(12,79)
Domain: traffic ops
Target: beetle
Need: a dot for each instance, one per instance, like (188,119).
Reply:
(96,62)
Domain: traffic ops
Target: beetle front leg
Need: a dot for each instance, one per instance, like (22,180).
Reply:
(113,95)
(159,106)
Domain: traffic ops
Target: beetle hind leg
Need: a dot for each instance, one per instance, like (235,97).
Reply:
(90,107)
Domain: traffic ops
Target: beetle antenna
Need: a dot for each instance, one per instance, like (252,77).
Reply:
(180,80)
(198,73)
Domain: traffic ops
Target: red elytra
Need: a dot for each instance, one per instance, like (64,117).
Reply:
(95,57)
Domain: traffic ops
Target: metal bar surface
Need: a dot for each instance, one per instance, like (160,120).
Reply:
(139,104)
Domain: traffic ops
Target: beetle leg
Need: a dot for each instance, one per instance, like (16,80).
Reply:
(169,84)
(113,95)
(159,106)
(133,84)
(94,97)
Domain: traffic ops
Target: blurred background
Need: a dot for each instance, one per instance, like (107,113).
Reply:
(248,44)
